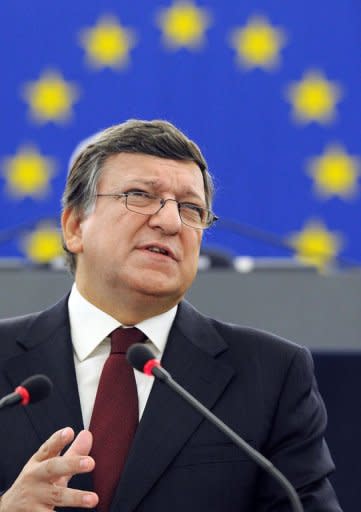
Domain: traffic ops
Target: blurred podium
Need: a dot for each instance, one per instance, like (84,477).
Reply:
(321,311)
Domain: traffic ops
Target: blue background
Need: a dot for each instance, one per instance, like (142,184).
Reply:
(241,118)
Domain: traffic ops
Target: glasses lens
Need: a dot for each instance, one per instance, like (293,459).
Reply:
(195,216)
(142,203)
(190,214)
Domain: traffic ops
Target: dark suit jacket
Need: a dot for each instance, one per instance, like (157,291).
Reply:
(261,386)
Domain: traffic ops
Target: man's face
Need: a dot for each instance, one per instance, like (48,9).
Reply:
(116,247)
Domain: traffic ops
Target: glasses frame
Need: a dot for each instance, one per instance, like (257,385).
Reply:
(213,218)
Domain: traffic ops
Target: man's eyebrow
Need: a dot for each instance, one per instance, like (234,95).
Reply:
(155,184)
(144,181)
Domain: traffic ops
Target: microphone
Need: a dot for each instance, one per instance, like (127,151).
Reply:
(31,390)
(142,358)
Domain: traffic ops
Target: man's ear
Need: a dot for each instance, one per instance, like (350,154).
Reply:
(72,232)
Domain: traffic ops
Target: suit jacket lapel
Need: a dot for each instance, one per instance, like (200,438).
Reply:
(47,348)
(168,421)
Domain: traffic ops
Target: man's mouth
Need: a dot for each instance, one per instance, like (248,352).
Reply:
(157,248)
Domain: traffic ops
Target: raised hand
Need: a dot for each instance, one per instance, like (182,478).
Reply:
(42,484)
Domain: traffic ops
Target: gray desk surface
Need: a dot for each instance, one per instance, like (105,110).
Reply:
(319,311)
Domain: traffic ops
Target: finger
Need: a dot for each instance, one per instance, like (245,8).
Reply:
(44,497)
(81,445)
(55,468)
(54,445)
(65,497)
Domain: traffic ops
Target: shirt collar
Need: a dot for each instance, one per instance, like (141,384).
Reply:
(90,325)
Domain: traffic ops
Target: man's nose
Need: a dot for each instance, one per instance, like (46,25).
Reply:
(167,218)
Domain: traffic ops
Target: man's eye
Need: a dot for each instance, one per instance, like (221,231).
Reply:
(139,198)
(192,207)
(193,210)
(137,193)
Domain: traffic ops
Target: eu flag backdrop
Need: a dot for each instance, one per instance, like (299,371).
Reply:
(269,90)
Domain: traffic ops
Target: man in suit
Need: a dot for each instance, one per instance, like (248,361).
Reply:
(136,202)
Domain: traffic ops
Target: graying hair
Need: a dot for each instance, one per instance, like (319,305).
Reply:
(158,138)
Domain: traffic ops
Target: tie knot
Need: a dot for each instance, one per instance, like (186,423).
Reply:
(121,339)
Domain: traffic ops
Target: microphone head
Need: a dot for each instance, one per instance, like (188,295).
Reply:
(38,386)
(138,356)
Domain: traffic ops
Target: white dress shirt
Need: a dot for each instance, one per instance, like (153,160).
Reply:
(90,328)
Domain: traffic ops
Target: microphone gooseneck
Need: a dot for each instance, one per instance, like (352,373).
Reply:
(142,358)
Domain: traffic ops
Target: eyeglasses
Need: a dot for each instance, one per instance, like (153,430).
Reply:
(190,214)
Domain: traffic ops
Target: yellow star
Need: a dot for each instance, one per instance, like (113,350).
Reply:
(28,172)
(258,43)
(50,98)
(316,245)
(108,43)
(184,24)
(314,98)
(44,244)
(335,172)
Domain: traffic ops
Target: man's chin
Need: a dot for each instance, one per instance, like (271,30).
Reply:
(157,286)
(148,290)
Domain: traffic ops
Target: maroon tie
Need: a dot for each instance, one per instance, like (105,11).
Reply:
(115,416)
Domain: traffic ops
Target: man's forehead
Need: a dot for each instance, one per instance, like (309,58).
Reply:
(138,159)
(151,170)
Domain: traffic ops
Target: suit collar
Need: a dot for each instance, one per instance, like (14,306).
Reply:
(199,330)
(168,421)
(45,324)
